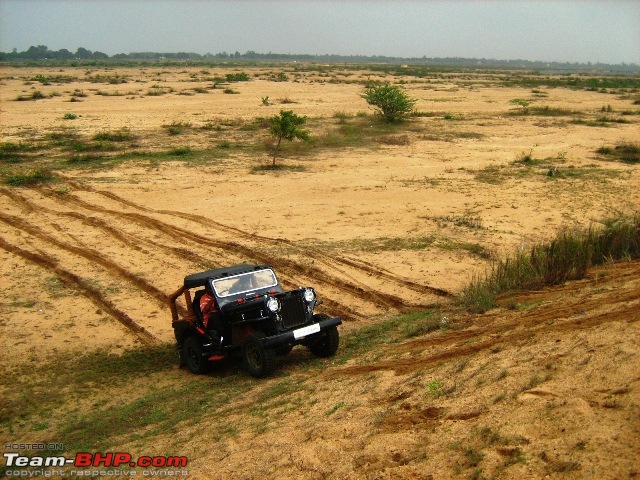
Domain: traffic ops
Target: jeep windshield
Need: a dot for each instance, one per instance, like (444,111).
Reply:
(243,283)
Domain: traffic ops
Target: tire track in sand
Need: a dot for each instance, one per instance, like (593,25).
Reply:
(290,267)
(621,306)
(83,286)
(134,242)
(316,255)
(89,254)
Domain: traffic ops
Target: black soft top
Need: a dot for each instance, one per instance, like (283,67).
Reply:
(200,279)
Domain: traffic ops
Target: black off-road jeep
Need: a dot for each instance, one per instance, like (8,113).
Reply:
(248,312)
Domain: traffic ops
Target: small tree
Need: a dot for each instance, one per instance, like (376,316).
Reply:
(521,103)
(287,126)
(392,102)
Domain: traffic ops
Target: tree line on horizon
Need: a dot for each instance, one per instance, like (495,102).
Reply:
(42,52)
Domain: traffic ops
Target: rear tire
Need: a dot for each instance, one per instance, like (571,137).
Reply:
(192,356)
(259,361)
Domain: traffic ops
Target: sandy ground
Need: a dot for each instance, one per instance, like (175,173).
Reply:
(88,262)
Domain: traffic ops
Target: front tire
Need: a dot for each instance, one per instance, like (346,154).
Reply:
(259,361)
(326,343)
(192,356)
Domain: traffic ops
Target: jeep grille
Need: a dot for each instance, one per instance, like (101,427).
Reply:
(293,309)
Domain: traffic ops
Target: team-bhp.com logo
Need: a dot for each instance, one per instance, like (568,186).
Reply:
(83,459)
(86,464)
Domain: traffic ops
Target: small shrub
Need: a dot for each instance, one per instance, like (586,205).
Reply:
(342,116)
(547,111)
(288,126)
(604,151)
(279,77)
(435,388)
(117,136)
(176,128)
(230,91)
(524,104)
(117,93)
(527,158)
(35,95)
(157,90)
(237,77)
(624,152)
(628,152)
(70,116)
(392,103)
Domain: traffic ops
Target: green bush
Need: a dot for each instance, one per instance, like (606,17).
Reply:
(237,77)
(391,101)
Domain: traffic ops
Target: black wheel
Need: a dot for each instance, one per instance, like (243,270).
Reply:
(260,362)
(192,356)
(325,344)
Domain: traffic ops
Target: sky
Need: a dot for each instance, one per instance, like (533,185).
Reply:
(559,30)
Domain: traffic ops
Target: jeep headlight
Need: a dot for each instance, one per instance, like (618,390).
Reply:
(273,304)
(309,295)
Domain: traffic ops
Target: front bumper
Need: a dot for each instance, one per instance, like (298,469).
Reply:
(297,335)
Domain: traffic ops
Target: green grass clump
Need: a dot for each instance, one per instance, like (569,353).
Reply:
(12,152)
(157,91)
(624,152)
(117,136)
(566,257)
(35,95)
(280,167)
(181,151)
(176,128)
(35,177)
